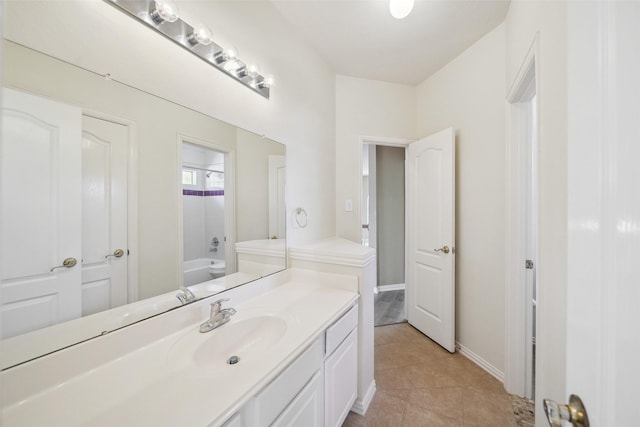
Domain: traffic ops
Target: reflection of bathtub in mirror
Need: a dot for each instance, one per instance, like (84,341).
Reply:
(202,270)
(261,257)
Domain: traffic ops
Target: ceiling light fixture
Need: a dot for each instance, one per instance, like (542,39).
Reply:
(163,11)
(162,17)
(200,35)
(400,8)
(265,83)
(224,55)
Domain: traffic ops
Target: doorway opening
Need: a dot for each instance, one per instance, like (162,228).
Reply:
(204,224)
(383,226)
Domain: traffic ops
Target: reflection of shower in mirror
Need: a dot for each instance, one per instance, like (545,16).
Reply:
(203,208)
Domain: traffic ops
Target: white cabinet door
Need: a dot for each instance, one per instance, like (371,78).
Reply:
(306,409)
(341,381)
(41,210)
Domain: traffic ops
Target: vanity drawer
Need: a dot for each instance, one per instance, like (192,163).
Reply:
(337,332)
(275,397)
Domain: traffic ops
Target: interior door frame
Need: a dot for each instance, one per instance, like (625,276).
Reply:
(515,236)
(132,198)
(371,140)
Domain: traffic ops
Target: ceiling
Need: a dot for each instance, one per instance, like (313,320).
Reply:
(360,38)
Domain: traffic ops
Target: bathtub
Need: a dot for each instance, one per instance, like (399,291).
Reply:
(197,270)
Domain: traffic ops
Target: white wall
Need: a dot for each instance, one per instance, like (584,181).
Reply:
(468,94)
(524,20)
(365,108)
(252,185)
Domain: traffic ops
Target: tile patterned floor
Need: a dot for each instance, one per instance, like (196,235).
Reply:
(421,384)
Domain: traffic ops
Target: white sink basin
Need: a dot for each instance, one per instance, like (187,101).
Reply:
(246,339)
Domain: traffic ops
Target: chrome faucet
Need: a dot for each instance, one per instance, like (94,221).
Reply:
(218,317)
(185,296)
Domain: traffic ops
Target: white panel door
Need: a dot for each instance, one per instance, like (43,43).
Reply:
(104,215)
(430,228)
(41,213)
(277,213)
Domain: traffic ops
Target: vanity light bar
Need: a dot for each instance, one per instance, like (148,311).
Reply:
(190,38)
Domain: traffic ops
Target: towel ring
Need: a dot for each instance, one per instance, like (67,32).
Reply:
(299,212)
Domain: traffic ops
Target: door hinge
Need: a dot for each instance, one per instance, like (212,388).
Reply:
(528,264)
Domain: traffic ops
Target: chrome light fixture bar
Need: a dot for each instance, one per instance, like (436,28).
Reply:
(162,16)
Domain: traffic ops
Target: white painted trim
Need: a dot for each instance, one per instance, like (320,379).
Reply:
(360,406)
(488,367)
(132,198)
(515,295)
(393,287)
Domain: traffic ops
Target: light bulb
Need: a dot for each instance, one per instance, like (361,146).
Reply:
(164,10)
(200,35)
(400,8)
(225,55)
(267,82)
(231,54)
(253,70)
(241,70)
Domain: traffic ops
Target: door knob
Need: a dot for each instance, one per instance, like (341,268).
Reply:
(117,254)
(574,412)
(67,263)
(444,249)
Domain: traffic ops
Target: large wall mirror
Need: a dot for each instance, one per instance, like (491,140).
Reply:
(114,201)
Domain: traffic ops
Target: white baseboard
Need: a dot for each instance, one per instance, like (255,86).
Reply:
(492,370)
(394,287)
(360,406)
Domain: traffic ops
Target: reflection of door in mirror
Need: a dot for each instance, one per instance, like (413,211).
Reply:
(203,214)
(277,213)
(104,215)
(64,210)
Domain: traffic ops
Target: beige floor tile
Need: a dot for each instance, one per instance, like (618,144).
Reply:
(421,384)
(399,333)
(393,379)
(385,411)
(444,401)
(418,417)
(431,376)
(486,409)
(389,356)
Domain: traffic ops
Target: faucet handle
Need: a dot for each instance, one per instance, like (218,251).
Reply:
(217,305)
(186,295)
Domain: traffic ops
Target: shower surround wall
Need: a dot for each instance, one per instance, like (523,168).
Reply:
(203,218)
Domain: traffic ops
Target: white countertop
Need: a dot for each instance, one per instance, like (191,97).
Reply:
(157,384)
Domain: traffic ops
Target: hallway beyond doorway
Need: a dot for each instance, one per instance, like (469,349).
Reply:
(388,308)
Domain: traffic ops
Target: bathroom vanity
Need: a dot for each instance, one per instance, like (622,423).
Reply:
(294,335)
